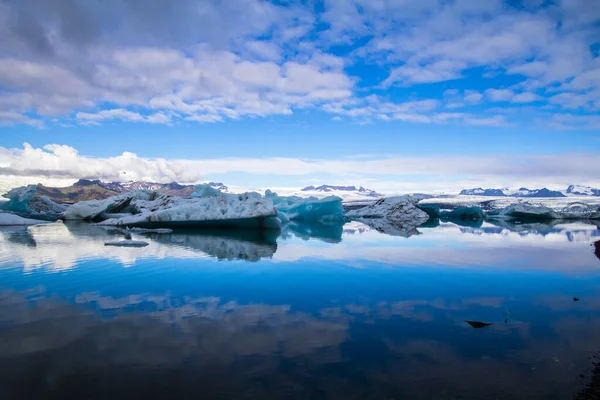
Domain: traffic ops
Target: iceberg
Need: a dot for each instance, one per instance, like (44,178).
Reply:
(395,216)
(526,212)
(23,200)
(400,209)
(7,219)
(151,210)
(310,209)
(431,209)
(463,214)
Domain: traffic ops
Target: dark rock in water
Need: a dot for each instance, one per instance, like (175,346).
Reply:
(597,249)
(478,324)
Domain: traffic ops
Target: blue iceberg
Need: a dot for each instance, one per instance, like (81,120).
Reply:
(310,209)
(23,200)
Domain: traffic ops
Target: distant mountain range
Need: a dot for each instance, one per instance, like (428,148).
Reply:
(578,190)
(85,189)
(332,189)
(573,190)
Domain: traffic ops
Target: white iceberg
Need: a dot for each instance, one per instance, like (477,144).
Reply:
(152,210)
(127,243)
(7,219)
(399,209)
(524,211)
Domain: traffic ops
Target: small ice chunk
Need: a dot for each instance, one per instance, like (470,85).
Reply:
(12,219)
(127,243)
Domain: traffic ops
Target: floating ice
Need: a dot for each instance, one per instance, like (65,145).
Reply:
(399,209)
(23,200)
(152,210)
(431,209)
(309,209)
(12,219)
(524,211)
(127,243)
(463,214)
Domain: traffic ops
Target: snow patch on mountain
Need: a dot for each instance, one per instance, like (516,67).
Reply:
(580,190)
(521,192)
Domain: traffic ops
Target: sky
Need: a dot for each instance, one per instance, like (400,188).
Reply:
(394,95)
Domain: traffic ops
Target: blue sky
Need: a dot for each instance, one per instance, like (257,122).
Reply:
(396,95)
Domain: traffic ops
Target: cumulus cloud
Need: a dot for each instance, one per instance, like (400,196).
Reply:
(215,61)
(410,173)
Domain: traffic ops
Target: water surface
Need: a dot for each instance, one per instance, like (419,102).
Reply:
(321,312)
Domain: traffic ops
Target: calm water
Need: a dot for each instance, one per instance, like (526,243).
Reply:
(320,312)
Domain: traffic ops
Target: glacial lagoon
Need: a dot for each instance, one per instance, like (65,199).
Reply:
(318,311)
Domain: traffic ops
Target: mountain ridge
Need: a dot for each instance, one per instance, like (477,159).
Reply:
(572,190)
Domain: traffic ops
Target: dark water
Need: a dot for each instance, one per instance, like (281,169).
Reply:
(321,312)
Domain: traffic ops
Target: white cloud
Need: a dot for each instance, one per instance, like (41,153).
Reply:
(499,94)
(216,61)
(9,118)
(64,163)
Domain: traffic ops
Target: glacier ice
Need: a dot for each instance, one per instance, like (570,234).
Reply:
(396,216)
(431,209)
(145,209)
(463,214)
(7,219)
(400,209)
(24,201)
(524,211)
(310,209)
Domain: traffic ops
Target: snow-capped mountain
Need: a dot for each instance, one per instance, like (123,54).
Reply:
(579,190)
(85,189)
(521,192)
(348,189)
(483,192)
